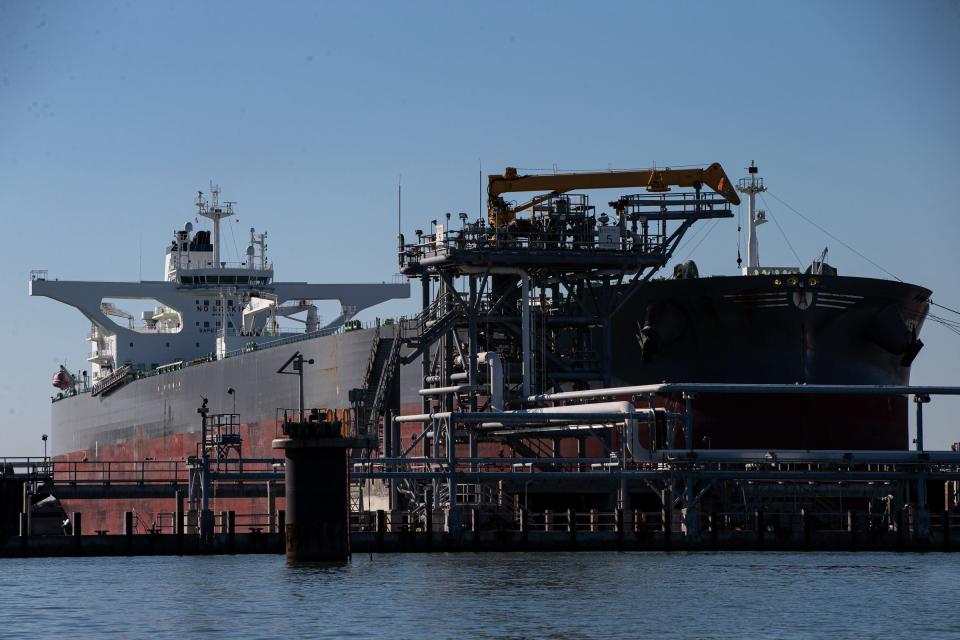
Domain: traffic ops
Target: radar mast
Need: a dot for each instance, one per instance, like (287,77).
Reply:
(752,186)
(214,211)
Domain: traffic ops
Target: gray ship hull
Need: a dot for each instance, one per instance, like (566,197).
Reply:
(139,417)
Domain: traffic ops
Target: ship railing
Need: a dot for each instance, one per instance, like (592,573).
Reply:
(242,522)
(370,324)
(429,246)
(137,472)
(32,468)
(781,521)
(771,523)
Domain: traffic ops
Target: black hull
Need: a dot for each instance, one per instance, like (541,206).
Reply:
(749,329)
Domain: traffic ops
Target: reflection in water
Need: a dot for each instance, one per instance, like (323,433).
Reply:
(595,595)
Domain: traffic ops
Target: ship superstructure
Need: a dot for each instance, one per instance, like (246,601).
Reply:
(206,305)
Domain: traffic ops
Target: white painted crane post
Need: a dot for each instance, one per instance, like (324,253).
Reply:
(752,186)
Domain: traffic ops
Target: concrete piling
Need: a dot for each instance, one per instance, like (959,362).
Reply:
(317,490)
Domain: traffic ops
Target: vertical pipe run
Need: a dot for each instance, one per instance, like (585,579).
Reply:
(473,346)
(452,462)
(525,329)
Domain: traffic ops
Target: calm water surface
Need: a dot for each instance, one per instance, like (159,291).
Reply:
(584,595)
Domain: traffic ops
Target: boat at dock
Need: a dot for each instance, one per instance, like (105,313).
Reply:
(541,298)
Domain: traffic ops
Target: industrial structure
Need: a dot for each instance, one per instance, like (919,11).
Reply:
(556,370)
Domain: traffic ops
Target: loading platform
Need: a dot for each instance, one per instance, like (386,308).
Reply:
(632,498)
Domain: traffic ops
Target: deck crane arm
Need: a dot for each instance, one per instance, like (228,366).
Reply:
(655,180)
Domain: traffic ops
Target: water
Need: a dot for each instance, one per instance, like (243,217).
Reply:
(584,595)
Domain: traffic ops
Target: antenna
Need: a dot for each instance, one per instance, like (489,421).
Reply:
(480,216)
(399,204)
(215,212)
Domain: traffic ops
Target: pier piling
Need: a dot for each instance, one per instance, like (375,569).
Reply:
(317,490)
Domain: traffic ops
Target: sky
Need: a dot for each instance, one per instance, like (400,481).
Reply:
(308,114)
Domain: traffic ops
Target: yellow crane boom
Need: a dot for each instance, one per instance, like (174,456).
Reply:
(655,180)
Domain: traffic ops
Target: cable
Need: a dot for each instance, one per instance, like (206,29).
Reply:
(894,276)
(236,250)
(688,239)
(697,246)
(943,307)
(785,238)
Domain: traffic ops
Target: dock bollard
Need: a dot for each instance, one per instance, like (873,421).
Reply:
(381,528)
(900,529)
(178,513)
(714,527)
(761,528)
(428,525)
(317,527)
(946,529)
(618,524)
(852,528)
(128,529)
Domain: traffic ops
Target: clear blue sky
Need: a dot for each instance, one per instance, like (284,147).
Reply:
(112,116)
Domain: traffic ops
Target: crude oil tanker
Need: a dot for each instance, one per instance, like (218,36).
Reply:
(562,299)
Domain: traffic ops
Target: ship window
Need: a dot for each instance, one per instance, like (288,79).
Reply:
(186,279)
(198,345)
(229,303)
(243,279)
(198,302)
(131,344)
(206,303)
(168,345)
(218,323)
(206,324)
(216,302)
(230,324)
(198,323)
(228,279)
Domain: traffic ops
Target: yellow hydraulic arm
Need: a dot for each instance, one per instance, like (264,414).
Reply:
(655,180)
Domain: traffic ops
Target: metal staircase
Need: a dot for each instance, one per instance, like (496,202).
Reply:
(426,327)
(378,399)
(112,382)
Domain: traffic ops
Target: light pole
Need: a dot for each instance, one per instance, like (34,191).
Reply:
(233,393)
(44,438)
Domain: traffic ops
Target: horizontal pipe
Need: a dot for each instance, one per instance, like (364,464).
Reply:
(804,457)
(615,473)
(442,391)
(699,387)
(484,460)
(518,416)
